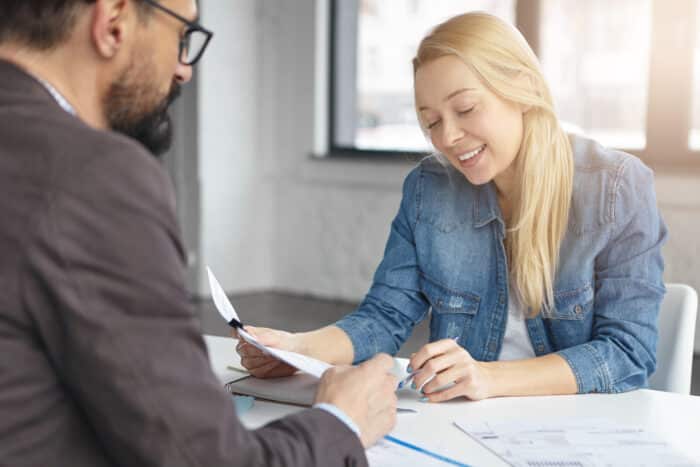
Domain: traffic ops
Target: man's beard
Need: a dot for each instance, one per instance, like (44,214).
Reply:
(131,110)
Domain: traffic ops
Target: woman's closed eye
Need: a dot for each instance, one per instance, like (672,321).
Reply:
(465,111)
(433,124)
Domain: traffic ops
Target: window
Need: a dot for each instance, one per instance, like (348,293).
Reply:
(595,57)
(694,137)
(620,72)
(375,41)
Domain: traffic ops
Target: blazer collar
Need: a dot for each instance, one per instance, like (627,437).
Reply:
(14,78)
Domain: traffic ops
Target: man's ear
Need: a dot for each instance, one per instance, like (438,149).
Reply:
(111,25)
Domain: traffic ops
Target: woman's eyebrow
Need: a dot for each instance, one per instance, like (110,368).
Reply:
(450,96)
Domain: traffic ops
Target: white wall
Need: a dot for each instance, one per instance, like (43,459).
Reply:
(319,226)
(237,203)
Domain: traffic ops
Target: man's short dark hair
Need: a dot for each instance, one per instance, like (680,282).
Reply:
(42,24)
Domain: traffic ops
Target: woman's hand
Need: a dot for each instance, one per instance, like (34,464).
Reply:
(448,371)
(260,364)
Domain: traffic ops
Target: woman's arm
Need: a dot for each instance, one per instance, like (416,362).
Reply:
(539,376)
(330,344)
(450,363)
(382,322)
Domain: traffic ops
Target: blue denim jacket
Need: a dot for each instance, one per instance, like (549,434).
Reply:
(445,253)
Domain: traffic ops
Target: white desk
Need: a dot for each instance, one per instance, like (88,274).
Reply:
(673,417)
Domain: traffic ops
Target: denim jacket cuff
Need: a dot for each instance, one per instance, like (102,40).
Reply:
(361,336)
(591,371)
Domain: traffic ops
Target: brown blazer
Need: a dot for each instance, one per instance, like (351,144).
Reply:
(101,358)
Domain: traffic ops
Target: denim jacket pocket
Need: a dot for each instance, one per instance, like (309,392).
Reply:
(573,305)
(452,311)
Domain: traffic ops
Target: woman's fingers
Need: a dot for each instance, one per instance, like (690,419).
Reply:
(432,368)
(446,378)
(470,379)
(446,394)
(430,351)
(244,349)
(266,336)
(271,369)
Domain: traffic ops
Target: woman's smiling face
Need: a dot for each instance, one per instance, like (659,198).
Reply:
(476,130)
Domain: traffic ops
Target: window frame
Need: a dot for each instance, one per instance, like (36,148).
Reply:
(669,93)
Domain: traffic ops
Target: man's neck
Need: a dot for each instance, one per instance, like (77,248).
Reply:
(76,82)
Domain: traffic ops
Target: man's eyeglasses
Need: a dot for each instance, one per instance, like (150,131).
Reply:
(193,41)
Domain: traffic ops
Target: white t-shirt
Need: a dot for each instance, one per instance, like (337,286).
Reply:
(516,341)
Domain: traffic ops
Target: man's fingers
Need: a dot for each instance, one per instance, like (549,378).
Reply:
(380,363)
(385,390)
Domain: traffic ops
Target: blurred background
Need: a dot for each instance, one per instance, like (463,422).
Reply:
(299,128)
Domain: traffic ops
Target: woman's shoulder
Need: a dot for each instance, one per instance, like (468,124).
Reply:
(607,183)
(591,157)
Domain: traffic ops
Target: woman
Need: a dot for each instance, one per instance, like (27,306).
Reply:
(538,255)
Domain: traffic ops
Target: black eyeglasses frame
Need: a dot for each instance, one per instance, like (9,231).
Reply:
(192,26)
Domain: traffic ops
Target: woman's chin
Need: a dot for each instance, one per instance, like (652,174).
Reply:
(476,178)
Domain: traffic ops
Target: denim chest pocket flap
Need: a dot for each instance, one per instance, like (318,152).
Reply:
(571,304)
(444,300)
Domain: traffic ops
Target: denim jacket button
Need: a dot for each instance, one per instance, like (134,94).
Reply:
(578,309)
(492,347)
(501,299)
(540,348)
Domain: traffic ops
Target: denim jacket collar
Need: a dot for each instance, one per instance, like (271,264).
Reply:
(486,208)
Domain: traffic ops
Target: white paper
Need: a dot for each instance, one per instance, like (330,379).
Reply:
(221,301)
(302,362)
(579,442)
(387,454)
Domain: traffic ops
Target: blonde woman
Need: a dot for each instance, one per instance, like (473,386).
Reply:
(538,255)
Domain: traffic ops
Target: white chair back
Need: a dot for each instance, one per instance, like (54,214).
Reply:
(674,356)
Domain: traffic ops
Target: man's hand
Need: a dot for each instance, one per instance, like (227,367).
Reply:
(260,364)
(366,393)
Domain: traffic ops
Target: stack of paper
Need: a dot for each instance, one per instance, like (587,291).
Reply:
(579,442)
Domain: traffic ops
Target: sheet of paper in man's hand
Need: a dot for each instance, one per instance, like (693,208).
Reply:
(223,305)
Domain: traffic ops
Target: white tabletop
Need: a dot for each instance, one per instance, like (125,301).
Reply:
(673,417)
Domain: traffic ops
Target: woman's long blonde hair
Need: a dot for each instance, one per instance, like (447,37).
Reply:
(504,62)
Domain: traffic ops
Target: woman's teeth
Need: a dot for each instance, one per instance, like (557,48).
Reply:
(470,154)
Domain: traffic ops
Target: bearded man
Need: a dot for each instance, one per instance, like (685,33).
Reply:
(101,358)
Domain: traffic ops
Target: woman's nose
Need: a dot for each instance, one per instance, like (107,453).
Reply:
(452,133)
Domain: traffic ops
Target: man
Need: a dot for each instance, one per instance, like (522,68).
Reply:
(101,360)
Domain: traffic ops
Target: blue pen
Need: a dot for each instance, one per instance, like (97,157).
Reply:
(434,455)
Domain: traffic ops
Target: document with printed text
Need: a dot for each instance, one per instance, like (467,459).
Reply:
(577,442)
